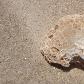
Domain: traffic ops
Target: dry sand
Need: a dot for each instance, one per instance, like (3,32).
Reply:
(22,25)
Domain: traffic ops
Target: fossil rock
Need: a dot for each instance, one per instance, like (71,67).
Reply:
(65,42)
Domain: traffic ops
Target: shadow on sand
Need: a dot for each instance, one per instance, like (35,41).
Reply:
(79,65)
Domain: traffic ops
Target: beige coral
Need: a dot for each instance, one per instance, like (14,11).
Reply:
(66,41)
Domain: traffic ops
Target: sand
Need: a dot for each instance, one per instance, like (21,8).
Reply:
(22,25)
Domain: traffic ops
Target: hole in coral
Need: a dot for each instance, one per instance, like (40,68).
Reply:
(50,36)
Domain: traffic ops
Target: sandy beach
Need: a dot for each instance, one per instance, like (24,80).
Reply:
(22,25)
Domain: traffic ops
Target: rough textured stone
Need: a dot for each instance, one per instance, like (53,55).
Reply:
(64,44)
